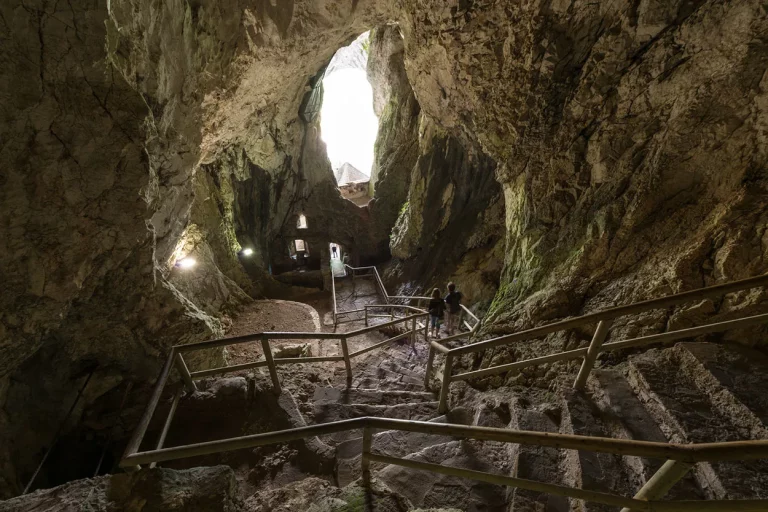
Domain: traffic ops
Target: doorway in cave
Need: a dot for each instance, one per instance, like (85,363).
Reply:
(337,260)
(299,252)
(347,121)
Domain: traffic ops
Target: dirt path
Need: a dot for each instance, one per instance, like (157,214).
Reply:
(265,316)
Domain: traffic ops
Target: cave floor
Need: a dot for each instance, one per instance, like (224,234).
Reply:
(386,380)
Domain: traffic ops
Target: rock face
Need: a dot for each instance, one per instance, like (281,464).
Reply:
(629,141)
(123,149)
(452,223)
(212,489)
(576,155)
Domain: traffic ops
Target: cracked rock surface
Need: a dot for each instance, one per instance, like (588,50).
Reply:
(553,158)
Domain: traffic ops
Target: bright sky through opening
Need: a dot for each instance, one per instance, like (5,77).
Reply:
(347,121)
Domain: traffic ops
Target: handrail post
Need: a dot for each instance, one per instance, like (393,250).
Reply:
(333,295)
(138,435)
(366,316)
(365,462)
(271,365)
(168,420)
(662,481)
(594,349)
(184,371)
(347,364)
(430,361)
(413,332)
(444,389)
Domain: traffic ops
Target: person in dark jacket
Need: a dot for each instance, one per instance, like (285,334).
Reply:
(436,312)
(452,314)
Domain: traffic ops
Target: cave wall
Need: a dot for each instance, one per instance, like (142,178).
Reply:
(434,187)
(630,141)
(451,227)
(82,290)
(627,140)
(397,142)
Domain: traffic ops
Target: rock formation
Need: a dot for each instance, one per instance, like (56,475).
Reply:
(552,158)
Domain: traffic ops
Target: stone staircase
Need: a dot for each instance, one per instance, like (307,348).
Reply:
(692,392)
(680,389)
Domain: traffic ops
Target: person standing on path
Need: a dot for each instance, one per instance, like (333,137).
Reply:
(436,312)
(453,301)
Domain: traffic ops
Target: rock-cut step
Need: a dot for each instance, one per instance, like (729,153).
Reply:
(390,377)
(393,443)
(436,491)
(539,463)
(370,396)
(686,414)
(335,404)
(592,471)
(736,380)
(625,417)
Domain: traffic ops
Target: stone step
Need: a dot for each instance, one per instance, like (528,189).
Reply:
(328,412)
(370,396)
(735,378)
(625,417)
(394,443)
(432,490)
(381,378)
(538,463)
(592,471)
(686,414)
(421,411)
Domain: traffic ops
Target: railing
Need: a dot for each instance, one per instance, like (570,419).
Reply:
(680,458)
(372,272)
(176,358)
(589,354)
(357,272)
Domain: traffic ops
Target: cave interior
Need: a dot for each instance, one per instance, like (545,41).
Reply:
(168,176)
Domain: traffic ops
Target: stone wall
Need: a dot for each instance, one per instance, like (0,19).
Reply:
(601,152)
(451,227)
(630,141)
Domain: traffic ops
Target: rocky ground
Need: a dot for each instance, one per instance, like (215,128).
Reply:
(689,392)
(551,157)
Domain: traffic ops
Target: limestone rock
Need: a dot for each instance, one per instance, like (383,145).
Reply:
(451,227)
(211,489)
(316,495)
(300,350)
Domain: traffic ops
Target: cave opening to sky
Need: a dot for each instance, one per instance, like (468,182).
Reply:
(347,121)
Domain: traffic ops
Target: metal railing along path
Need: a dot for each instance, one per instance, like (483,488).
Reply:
(679,457)
(356,273)
(176,358)
(589,354)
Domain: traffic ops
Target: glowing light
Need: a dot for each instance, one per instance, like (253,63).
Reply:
(347,121)
(186,262)
(247,251)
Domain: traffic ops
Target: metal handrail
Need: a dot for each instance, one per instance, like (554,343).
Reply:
(176,358)
(333,295)
(374,273)
(680,457)
(604,320)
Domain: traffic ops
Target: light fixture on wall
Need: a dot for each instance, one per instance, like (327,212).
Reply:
(247,251)
(186,262)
